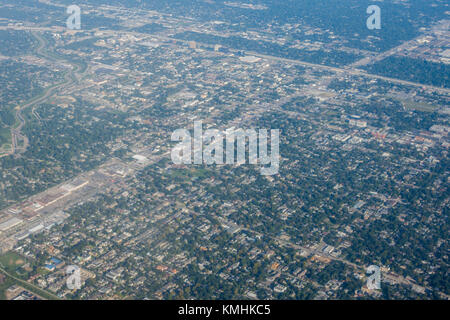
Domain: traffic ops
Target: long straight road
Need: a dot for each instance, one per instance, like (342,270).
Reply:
(355,72)
(36,289)
(343,70)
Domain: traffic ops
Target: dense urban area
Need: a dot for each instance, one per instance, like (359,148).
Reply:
(87,180)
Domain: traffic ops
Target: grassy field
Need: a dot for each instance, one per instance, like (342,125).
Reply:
(10,261)
(5,139)
(4,286)
(11,281)
(5,150)
(418,106)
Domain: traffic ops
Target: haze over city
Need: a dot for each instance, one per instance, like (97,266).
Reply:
(224,150)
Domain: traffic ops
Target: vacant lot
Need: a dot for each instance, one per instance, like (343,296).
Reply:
(10,261)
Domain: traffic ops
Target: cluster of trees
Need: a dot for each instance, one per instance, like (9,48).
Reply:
(15,43)
(416,70)
(392,113)
(19,82)
(56,143)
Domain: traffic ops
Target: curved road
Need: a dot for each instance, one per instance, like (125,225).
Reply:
(69,78)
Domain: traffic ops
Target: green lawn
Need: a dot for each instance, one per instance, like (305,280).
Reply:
(5,138)
(4,286)
(10,282)
(10,261)
(419,106)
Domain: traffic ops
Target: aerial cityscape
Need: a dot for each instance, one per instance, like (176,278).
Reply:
(222,150)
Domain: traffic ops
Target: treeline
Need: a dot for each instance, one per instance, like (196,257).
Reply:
(416,70)
(15,43)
